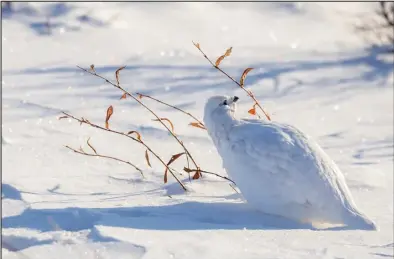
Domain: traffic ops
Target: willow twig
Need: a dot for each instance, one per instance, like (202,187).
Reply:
(85,121)
(206,172)
(108,157)
(248,92)
(143,105)
(174,107)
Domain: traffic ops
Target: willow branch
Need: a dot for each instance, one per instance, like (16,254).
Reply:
(108,157)
(385,13)
(84,121)
(143,105)
(206,172)
(248,92)
(172,106)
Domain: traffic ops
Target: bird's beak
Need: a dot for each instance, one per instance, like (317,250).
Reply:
(232,103)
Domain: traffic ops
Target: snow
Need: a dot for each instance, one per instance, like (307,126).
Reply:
(310,70)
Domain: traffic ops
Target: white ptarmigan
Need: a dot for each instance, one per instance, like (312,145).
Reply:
(279,170)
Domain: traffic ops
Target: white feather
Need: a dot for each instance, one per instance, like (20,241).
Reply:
(280,170)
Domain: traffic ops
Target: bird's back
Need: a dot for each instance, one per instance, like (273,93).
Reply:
(282,171)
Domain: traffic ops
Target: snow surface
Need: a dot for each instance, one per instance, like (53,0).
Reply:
(311,71)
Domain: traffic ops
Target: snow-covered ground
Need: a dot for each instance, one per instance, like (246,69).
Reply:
(311,70)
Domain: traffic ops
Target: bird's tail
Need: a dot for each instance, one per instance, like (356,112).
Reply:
(356,220)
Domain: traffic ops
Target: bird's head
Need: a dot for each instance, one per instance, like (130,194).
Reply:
(219,106)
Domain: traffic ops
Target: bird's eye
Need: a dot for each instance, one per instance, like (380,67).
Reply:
(224,103)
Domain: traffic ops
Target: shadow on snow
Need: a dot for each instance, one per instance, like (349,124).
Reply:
(378,73)
(183,216)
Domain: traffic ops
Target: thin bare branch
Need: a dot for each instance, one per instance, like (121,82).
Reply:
(386,13)
(248,92)
(108,157)
(84,121)
(147,108)
(233,188)
(206,172)
(172,106)
(379,28)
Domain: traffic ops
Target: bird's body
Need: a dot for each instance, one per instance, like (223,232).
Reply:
(279,170)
